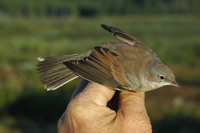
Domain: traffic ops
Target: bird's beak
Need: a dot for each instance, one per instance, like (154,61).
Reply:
(175,84)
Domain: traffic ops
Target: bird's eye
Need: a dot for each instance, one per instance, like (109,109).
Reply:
(161,77)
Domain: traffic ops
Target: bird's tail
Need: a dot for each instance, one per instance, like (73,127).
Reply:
(53,72)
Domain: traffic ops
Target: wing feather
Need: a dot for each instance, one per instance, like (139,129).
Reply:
(99,66)
(120,34)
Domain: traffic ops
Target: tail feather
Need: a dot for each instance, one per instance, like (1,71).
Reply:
(50,76)
(52,79)
(53,72)
(60,82)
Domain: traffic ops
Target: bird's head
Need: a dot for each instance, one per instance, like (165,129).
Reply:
(160,75)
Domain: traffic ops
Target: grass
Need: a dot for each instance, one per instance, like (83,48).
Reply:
(174,38)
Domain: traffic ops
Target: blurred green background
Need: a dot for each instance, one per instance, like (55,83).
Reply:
(32,28)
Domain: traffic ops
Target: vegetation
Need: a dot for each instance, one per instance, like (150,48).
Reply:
(100,7)
(174,38)
(32,28)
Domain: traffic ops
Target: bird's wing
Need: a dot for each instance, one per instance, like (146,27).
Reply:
(120,34)
(100,67)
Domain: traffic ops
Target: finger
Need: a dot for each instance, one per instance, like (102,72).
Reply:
(132,104)
(132,112)
(95,93)
(80,87)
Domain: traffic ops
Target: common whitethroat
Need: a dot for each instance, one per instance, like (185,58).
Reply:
(127,65)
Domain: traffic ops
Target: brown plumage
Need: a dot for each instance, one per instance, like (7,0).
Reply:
(127,65)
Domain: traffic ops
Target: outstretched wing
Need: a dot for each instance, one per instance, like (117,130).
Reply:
(120,34)
(100,67)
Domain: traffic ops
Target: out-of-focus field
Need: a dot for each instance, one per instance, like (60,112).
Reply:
(26,107)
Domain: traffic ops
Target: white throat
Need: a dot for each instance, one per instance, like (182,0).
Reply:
(152,85)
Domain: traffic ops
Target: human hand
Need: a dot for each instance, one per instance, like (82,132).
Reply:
(88,112)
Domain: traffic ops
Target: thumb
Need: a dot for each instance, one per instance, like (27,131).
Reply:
(134,101)
(93,93)
(132,105)
(132,112)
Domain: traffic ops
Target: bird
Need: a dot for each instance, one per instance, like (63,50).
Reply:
(127,64)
